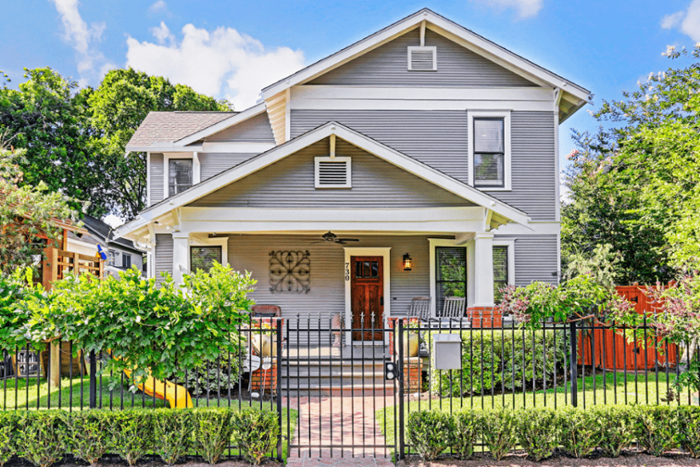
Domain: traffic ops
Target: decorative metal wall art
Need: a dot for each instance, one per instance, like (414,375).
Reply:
(290,271)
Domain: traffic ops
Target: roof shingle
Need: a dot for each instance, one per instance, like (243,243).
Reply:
(168,127)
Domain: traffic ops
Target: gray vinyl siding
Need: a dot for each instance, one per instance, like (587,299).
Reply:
(387,65)
(533,164)
(164,256)
(214,163)
(438,138)
(536,258)
(156,178)
(290,183)
(254,130)
(327,294)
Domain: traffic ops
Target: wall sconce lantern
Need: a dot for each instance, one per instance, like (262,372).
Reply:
(407,262)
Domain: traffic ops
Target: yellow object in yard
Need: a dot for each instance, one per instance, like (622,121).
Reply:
(177,396)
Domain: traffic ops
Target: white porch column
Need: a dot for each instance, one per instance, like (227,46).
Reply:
(483,277)
(181,256)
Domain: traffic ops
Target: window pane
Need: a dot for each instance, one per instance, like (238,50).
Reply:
(358,269)
(375,269)
(203,257)
(180,175)
(488,169)
(451,274)
(500,271)
(449,289)
(488,135)
(126,261)
(366,271)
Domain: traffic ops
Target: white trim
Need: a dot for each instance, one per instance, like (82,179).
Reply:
(533,228)
(440,25)
(200,240)
(196,169)
(421,48)
(336,160)
(385,253)
(224,124)
(524,93)
(239,147)
(505,115)
(164,147)
(396,104)
(510,243)
(148,179)
(557,170)
(444,242)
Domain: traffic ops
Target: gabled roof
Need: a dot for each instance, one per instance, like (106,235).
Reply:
(103,233)
(443,26)
(168,127)
(501,209)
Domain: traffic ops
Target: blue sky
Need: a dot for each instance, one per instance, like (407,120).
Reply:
(233,48)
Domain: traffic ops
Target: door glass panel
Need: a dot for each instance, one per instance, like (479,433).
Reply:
(366,270)
(375,269)
(358,269)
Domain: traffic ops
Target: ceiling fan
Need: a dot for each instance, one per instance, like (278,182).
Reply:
(330,237)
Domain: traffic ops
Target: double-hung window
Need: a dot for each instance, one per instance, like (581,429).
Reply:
(450,274)
(180,175)
(203,257)
(126,261)
(489,152)
(500,271)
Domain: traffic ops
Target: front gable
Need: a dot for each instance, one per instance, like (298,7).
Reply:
(290,183)
(387,65)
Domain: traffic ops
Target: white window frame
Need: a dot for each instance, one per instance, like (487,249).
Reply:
(510,243)
(196,169)
(200,240)
(505,115)
(447,242)
(412,48)
(319,159)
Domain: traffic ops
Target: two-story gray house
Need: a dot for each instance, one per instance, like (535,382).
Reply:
(421,161)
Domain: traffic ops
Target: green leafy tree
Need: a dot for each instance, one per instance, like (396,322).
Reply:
(634,185)
(118,106)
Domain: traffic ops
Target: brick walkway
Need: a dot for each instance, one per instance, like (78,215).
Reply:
(334,421)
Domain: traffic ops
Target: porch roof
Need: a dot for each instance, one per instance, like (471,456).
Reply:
(498,212)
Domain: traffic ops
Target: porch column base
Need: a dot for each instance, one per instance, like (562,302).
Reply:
(485,317)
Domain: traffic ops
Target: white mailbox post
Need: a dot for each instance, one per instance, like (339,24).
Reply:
(447,351)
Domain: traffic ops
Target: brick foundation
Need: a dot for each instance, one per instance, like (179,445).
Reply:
(264,380)
(485,317)
(413,375)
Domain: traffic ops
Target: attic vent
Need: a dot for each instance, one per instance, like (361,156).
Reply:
(422,58)
(333,172)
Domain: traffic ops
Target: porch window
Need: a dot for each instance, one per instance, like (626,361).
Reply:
(500,271)
(126,261)
(489,152)
(450,274)
(179,175)
(203,257)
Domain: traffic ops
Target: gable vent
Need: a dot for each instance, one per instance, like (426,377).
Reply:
(333,172)
(422,58)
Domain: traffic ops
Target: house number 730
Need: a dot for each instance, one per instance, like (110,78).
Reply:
(347,271)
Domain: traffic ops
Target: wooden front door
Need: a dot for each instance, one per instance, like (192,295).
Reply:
(367,297)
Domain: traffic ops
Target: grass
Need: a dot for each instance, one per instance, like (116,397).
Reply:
(613,389)
(18,394)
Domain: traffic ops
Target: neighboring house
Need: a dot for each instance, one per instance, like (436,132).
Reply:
(121,253)
(432,148)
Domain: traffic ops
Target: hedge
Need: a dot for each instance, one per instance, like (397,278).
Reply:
(542,431)
(44,437)
(503,359)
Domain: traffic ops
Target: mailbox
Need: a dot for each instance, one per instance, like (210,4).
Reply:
(447,351)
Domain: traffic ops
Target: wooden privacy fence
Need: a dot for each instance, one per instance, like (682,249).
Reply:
(611,349)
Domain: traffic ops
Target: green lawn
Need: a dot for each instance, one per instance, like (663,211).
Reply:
(611,390)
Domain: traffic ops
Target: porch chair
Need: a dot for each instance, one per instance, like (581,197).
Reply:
(420,308)
(453,307)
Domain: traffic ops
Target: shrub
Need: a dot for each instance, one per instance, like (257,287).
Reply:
(656,428)
(172,434)
(503,359)
(212,432)
(430,433)
(255,432)
(617,428)
(466,429)
(688,418)
(86,435)
(9,434)
(498,431)
(131,434)
(43,437)
(537,432)
(579,432)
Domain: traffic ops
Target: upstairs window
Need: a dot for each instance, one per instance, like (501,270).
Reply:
(333,172)
(180,175)
(489,152)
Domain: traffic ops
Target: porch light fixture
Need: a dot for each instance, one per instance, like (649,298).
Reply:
(407,262)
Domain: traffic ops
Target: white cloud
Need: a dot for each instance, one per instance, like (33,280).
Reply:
(158,7)
(76,32)
(524,8)
(221,63)
(688,21)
